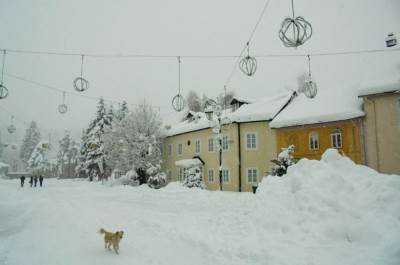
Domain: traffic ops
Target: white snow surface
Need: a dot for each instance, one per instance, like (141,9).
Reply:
(324,212)
(378,89)
(330,104)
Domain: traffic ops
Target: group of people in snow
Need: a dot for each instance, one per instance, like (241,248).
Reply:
(32,181)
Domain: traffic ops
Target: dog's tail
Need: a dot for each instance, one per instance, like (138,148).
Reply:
(102,231)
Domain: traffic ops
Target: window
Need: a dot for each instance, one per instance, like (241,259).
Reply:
(225,175)
(251,141)
(225,143)
(313,141)
(197,147)
(169,149)
(181,174)
(336,138)
(211,145)
(252,175)
(211,175)
(179,149)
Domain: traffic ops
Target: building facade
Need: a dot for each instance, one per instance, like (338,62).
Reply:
(382,128)
(312,140)
(248,145)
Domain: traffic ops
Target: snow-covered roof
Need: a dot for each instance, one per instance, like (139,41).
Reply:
(329,105)
(186,163)
(263,109)
(240,99)
(199,122)
(379,89)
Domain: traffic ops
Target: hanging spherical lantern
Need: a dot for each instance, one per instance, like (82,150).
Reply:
(81,84)
(62,108)
(295,31)
(11,129)
(3,91)
(310,89)
(178,103)
(248,65)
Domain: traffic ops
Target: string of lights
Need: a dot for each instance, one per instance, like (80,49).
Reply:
(42,85)
(333,53)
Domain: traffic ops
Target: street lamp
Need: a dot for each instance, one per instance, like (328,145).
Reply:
(216,108)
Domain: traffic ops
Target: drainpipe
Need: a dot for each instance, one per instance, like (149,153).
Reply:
(376,134)
(240,159)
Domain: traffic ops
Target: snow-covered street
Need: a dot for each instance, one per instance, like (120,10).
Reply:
(351,218)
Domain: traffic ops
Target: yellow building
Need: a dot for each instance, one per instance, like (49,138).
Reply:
(248,145)
(382,127)
(327,121)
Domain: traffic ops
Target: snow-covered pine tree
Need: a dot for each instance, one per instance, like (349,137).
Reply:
(67,156)
(92,155)
(39,161)
(30,141)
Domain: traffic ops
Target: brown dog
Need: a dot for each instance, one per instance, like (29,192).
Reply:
(112,239)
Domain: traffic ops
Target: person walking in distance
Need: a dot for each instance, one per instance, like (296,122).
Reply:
(41,180)
(36,180)
(22,178)
(31,181)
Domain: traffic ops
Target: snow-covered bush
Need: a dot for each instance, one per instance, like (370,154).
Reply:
(284,160)
(157,181)
(192,178)
(130,178)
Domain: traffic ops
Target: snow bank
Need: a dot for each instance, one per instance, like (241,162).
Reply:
(335,201)
(326,212)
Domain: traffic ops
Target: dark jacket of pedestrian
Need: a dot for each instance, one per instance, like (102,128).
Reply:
(22,178)
(41,180)
(36,180)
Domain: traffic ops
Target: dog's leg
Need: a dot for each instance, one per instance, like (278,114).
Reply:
(115,247)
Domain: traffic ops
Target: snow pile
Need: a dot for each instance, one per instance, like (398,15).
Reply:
(334,202)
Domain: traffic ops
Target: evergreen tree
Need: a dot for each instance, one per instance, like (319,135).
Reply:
(122,111)
(30,141)
(92,155)
(67,155)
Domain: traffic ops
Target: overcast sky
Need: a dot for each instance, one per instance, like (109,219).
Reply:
(180,27)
